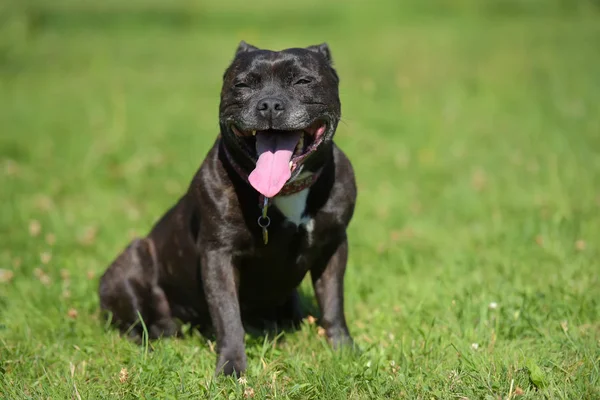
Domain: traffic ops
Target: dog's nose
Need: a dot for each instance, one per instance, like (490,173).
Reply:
(270,107)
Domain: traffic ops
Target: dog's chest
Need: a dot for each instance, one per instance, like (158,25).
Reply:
(293,207)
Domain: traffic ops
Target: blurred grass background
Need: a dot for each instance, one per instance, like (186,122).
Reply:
(474,129)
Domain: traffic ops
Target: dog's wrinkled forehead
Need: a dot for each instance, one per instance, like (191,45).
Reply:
(251,63)
(268,64)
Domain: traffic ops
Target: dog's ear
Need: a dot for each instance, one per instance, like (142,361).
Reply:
(322,49)
(244,47)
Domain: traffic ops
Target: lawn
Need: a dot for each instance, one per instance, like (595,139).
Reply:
(474,130)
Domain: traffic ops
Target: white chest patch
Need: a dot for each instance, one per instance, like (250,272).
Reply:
(293,207)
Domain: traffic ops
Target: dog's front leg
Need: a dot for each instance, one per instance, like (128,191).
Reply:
(221,289)
(328,281)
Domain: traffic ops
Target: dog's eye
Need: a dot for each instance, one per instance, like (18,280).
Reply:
(241,85)
(302,81)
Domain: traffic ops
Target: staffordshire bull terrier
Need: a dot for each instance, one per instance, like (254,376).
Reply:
(271,202)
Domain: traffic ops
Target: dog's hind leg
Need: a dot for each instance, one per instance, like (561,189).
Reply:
(129,291)
(290,314)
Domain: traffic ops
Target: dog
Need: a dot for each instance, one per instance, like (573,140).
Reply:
(271,202)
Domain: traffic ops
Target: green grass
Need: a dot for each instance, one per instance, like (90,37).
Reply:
(474,129)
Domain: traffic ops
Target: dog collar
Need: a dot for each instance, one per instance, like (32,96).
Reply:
(264,202)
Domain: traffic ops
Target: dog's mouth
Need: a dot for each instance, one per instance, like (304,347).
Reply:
(278,153)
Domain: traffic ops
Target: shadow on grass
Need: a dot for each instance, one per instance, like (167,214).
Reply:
(261,329)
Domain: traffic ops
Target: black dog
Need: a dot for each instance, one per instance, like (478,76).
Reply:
(271,202)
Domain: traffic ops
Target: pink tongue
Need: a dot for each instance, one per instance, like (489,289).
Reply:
(273,166)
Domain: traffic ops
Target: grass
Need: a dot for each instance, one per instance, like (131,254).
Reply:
(474,129)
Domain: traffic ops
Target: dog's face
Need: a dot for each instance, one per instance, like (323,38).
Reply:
(279,108)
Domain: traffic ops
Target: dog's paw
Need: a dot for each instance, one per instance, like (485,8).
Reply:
(342,341)
(163,328)
(231,362)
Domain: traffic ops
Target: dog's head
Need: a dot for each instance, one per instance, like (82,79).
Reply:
(279,110)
